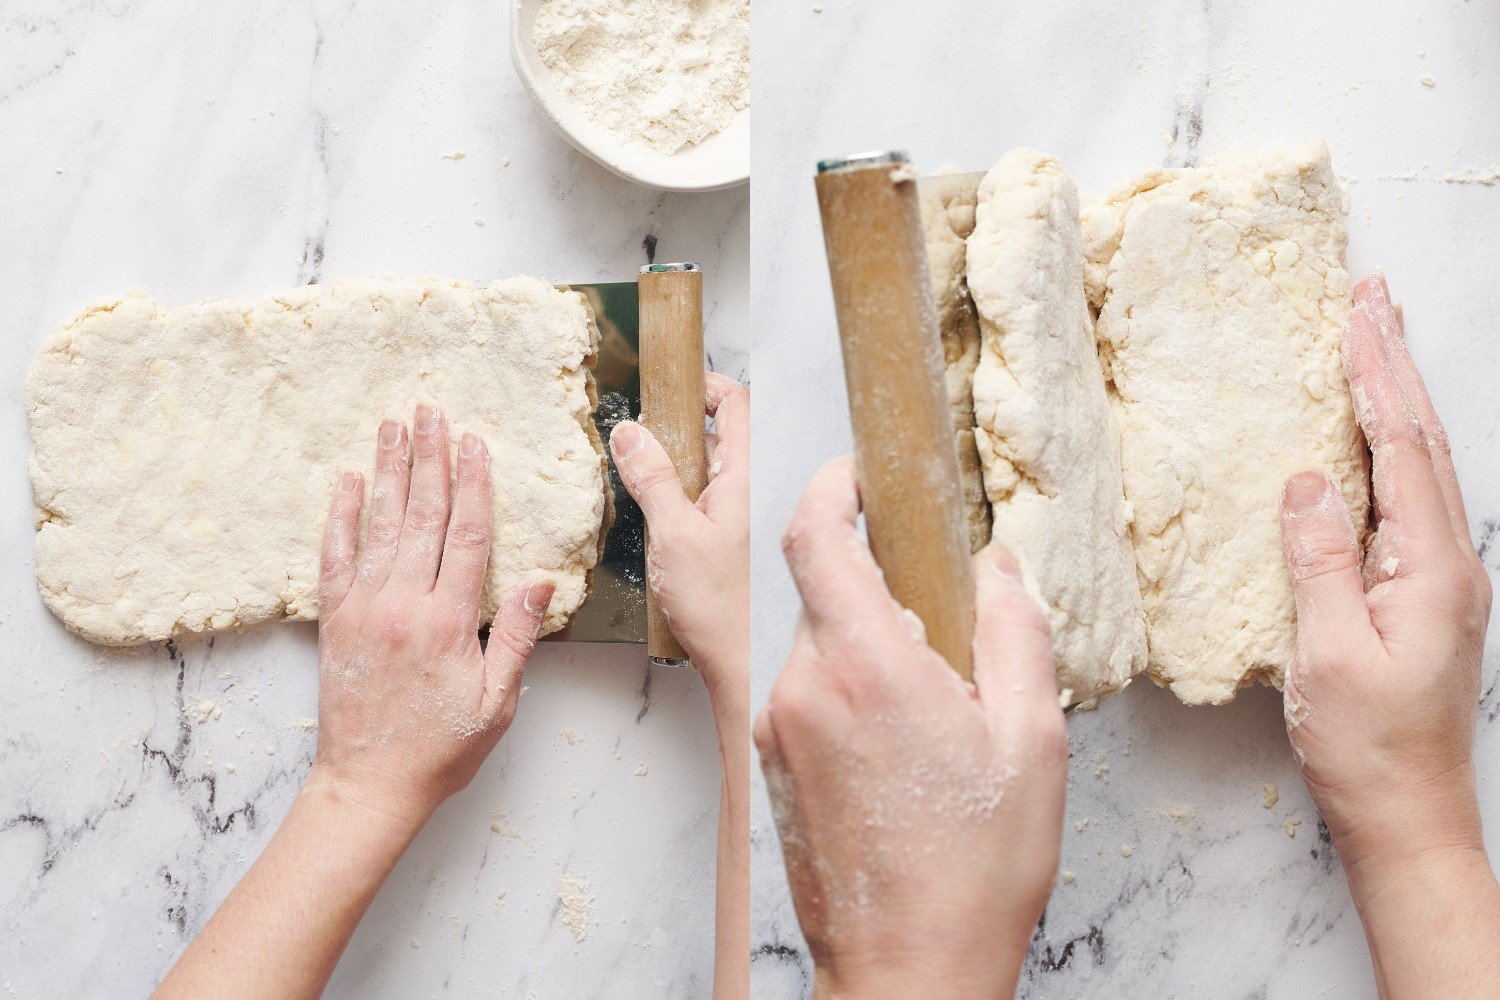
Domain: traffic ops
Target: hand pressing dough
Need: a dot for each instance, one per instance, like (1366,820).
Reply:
(1045,435)
(183,460)
(947,220)
(1222,296)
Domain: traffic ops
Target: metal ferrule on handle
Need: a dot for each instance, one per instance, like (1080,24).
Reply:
(672,395)
(894,370)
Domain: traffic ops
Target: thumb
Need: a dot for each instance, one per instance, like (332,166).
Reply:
(1322,555)
(1012,636)
(648,474)
(513,635)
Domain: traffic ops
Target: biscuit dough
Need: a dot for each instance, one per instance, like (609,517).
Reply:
(1222,296)
(183,460)
(1045,436)
(948,204)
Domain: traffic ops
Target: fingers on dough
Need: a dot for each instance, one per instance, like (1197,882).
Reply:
(387,504)
(466,549)
(420,551)
(339,559)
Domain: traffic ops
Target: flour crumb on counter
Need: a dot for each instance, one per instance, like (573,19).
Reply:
(576,895)
(568,734)
(479,222)
(270,751)
(203,711)
(1126,850)
(306,724)
(1427,81)
(1068,878)
(457,154)
(1271,795)
(1181,813)
(641,771)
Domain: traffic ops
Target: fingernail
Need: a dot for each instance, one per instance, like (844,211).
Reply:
(1005,563)
(538,596)
(625,438)
(391,433)
(427,419)
(471,446)
(348,482)
(1303,492)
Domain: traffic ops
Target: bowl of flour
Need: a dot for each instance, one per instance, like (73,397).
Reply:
(658,91)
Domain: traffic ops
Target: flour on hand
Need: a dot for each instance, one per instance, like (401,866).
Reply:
(662,73)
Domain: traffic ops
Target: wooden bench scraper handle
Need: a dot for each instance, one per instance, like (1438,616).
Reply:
(672,396)
(893,367)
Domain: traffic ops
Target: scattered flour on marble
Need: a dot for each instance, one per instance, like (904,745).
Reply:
(576,895)
(660,73)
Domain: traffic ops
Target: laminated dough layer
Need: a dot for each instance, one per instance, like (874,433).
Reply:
(183,460)
(948,202)
(1045,436)
(1222,294)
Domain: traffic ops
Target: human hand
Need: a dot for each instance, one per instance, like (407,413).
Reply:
(1382,689)
(698,563)
(920,817)
(408,704)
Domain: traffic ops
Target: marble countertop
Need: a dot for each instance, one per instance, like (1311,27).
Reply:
(224,150)
(1221,901)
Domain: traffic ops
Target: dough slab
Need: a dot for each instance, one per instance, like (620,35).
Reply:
(183,460)
(1222,295)
(1045,436)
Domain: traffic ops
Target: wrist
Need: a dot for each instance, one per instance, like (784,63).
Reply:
(903,983)
(346,802)
(1412,827)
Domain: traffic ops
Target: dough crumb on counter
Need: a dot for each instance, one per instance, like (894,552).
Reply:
(1126,850)
(1067,878)
(457,154)
(641,771)
(1290,826)
(1427,81)
(1271,795)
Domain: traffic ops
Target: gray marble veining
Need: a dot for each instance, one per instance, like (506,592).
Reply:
(1215,899)
(225,150)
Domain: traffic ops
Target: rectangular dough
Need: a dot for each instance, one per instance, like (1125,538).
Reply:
(183,460)
(1045,435)
(1222,296)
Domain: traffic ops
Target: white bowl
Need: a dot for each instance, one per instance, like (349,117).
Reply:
(720,161)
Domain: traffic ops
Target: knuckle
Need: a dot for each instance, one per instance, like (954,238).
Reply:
(426,517)
(393,623)
(469,534)
(1313,558)
(384,529)
(652,478)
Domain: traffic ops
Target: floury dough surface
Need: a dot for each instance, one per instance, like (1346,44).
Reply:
(1045,436)
(662,73)
(948,203)
(183,460)
(1222,295)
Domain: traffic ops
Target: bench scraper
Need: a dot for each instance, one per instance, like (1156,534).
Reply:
(650,362)
(894,370)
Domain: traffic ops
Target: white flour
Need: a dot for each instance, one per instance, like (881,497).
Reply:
(663,73)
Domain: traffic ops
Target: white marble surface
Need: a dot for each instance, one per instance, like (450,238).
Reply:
(1224,904)
(229,149)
